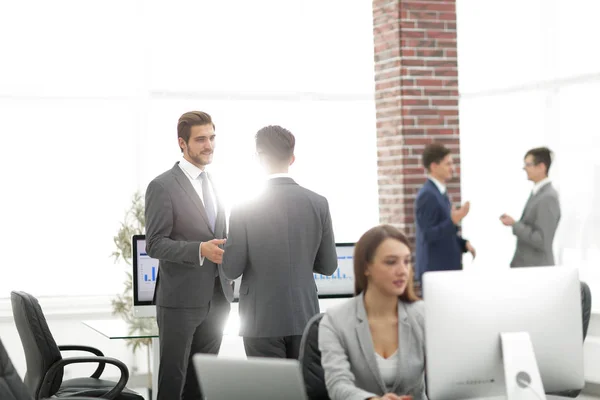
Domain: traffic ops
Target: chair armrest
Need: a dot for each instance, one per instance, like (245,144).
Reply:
(79,347)
(58,366)
(76,347)
(74,398)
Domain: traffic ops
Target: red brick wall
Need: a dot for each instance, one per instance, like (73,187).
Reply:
(416,88)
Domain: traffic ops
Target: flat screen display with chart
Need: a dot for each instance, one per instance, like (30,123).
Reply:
(341,283)
(145,270)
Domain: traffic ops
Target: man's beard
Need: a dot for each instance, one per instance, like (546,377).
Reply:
(201,159)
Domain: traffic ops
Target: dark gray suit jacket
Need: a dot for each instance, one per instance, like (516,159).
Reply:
(277,241)
(535,231)
(176,223)
(348,354)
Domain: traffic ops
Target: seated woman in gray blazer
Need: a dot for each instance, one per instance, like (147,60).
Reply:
(373,345)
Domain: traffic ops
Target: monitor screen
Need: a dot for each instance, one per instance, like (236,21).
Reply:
(145,270)
(341,283)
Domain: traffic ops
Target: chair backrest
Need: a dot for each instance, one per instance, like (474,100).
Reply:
(310,361)
(586,307)
(586,311)
(11,385)
(39,346)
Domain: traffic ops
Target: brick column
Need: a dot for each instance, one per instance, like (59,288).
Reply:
(416,89)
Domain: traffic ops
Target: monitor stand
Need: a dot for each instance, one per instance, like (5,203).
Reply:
(521,373)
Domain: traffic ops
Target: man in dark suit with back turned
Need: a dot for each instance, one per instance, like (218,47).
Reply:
(185,225)
(439,246)
(277,241)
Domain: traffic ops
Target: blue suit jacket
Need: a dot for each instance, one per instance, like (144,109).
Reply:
(439,247)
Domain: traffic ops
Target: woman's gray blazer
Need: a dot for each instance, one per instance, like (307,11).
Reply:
(348,355)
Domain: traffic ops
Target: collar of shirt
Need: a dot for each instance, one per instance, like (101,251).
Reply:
(539,185)
(441,187)
(190,169)
(281,175)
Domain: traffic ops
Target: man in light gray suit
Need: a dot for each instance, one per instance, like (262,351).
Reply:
(185,225)
(537,226)
(277,242)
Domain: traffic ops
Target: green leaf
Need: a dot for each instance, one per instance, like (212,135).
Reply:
(134,222)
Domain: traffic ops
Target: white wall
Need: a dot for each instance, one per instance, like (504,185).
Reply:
(529,76)
(90,94)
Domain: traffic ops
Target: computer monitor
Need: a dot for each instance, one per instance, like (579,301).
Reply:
(341,283)
(145,271)
(488,333)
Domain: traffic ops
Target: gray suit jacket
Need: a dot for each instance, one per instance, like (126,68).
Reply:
(176,223)
(348,355)
(277,242)
(535,231)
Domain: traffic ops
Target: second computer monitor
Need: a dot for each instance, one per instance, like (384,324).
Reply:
(466,311)
(144,274)
(341,282)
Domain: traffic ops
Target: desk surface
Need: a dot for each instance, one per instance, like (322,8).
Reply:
(119,329)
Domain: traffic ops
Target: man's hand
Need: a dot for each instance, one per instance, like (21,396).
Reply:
(212,251)
(507,220)
(457,214)
(471,249)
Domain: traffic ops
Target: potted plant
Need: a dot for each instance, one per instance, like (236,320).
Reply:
(133,224)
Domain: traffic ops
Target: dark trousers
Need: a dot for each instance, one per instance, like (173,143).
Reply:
(273,347)
(184,332)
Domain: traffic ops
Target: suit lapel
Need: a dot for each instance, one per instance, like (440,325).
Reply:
(533,198)
(363,334)
(444,199)
(527,204)
(405,344)
(187,187)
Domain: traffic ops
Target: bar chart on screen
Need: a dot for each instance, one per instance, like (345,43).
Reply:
(149,276)
(341,282)
(147,272)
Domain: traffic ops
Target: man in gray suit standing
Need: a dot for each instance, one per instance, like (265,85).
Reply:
(277,242)
(185,225)
(537,226)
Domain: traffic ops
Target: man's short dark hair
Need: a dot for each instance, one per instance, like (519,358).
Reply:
(189,119)
(276,142)
(434,153)
(541,155)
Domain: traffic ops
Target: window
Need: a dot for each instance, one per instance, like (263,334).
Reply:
(90,100)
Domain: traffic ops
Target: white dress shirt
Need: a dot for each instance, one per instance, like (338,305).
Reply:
(539,185)
(280,175)
(193,174)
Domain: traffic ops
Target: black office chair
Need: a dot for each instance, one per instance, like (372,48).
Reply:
(310,361)
(11,385)
(586,307)
(45,365)
(586,311)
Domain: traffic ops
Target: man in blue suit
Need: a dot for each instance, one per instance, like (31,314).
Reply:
(439,245)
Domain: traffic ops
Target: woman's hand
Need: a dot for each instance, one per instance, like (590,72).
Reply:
(392,396)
